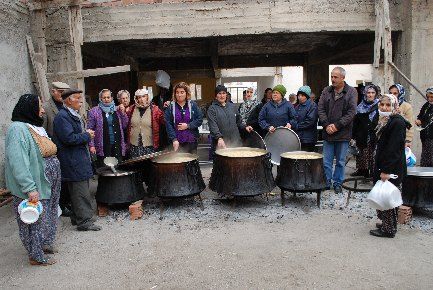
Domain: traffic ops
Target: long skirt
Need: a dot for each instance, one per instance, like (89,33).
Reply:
(43,231)
(427,153)
(365,159)
(389,217)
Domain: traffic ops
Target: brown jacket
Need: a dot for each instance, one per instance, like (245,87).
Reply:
(340,112)
(50,112)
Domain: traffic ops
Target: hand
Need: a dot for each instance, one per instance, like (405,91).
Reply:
(182,126)
(33,196)
(221,143)
(249,129)
(166,104)
(331,129)
(288,125)
(384,176)
(271,129)
(92,149)
(175,145)
(418,122)
(121,107)
(408,144)
(91,133)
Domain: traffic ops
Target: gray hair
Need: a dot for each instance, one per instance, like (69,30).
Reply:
(341,70)
(103,91)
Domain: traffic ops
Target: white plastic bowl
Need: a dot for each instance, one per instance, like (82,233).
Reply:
(29,213)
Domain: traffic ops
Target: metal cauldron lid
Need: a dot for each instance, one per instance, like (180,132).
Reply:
(420,171)
(108,172)
(237,152)
(175,158)
(301,155)
(254,140)
(281,141)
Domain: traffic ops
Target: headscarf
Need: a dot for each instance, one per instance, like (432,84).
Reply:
(383,120)
(365,106)
(106,108)
(401,92)
(429,91)
(27,110)
(119,94)
(141,93)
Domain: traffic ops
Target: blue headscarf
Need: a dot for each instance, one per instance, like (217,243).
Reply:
(365,106)
(106,108)
(401,92)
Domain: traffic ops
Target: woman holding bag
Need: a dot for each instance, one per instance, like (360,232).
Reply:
(389,158)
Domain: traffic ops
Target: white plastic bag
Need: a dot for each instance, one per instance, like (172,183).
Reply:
(162,79)
(384,196)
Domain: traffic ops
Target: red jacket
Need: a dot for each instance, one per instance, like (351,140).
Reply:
(157,121)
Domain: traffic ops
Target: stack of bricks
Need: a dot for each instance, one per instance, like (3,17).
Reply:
(136,210)
(404,214)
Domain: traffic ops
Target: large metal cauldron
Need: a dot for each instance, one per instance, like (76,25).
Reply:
(233,174)
(418,187)
(176,175)
(119,187)
(301,171)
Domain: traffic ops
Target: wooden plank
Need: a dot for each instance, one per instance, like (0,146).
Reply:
(378,34)
(40,5)
(41,79)
(387,44)
(38,21)
(94,72)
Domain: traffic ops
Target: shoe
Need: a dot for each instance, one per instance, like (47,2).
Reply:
(50,250)
(89,228)
(379,233)
(45,262)
(379,225)
(338,189)
(66,212)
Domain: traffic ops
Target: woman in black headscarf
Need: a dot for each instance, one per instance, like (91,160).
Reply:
(32,172)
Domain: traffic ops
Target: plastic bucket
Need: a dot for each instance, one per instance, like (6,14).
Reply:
(29,212)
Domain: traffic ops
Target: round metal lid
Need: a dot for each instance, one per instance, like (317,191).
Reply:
(420,171)
(301,155)
(281,141)
(241,152)
(108,172)
(175,158)
(254,140)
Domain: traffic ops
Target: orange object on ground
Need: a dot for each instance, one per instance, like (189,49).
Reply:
(404,214)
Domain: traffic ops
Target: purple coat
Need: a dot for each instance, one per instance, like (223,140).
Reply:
(96,122)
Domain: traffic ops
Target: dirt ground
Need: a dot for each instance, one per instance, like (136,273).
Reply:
(255,244)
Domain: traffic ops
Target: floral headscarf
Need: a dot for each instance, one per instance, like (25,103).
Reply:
(395,109)
(365,106)
(401,92)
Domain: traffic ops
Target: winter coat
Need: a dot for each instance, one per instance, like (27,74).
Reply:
(72,147)
(277,115)
(406,111)
(306,119)
(426,116)
(96,123)
(157,122)
(339,112)
(195,115)
(364,128)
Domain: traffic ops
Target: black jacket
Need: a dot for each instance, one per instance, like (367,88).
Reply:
(390,156)
(426,116)
(364,128)
(253,120)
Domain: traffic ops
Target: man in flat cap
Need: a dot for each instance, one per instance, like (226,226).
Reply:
(72,142)
(53,106)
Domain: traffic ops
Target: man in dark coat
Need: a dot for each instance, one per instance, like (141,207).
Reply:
(73,153)
(337,108)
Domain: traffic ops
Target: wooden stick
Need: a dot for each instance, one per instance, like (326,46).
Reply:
(407,79)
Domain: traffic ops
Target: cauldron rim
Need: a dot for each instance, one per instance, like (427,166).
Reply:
(220,152)
(420,171)
(158,158)
(286,155)
(108,172)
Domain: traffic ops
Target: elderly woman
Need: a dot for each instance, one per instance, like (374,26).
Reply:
(108,122)
(32,172)
(145,121)
(406,110)
(363,132)
(425,120)
(390,157)
(182,119)
(247,107)
(224,121)
(278,112)
(306,119)
(253,119)
(124,98)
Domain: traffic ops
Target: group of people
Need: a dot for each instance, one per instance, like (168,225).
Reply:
(49,145)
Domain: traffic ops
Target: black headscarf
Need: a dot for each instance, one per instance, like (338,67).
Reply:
(27,110)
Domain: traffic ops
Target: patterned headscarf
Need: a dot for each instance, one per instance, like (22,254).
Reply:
(401,92)
(395,109)
(365,106)
(429,91)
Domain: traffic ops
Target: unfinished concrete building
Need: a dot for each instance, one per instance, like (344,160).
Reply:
(119,44)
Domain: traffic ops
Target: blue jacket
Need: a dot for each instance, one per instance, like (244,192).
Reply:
(306,118)
(72,147)
(277,115)
(196,120)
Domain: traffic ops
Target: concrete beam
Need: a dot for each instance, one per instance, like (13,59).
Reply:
(225,18)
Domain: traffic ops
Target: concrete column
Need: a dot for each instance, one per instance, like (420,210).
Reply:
(317,77)
(278,78)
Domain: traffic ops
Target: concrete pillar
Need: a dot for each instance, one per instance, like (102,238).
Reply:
(317,77)
(278,78)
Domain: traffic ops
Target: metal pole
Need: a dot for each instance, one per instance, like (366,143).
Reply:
(407,79)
